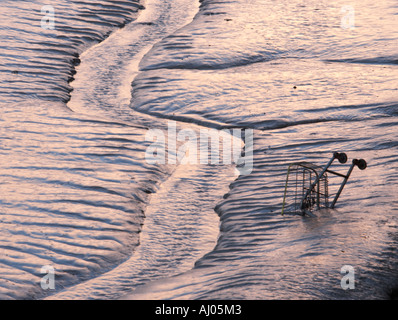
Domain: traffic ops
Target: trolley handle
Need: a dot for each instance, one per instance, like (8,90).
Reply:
(341,156)
(361,164)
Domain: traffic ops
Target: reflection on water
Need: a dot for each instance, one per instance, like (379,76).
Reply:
(314,88)
(73,194)
(75,184)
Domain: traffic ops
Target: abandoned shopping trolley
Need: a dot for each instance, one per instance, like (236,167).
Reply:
(306,187)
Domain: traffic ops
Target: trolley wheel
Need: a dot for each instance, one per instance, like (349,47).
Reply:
(341,156)
(362,164)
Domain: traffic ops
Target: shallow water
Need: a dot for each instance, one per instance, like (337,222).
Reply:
(76,187)
(268,256)
(73,187)
(324,89)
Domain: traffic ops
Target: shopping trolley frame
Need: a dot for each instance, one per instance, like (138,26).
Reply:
(308,200)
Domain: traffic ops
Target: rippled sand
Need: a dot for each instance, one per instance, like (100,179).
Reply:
(76,188)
